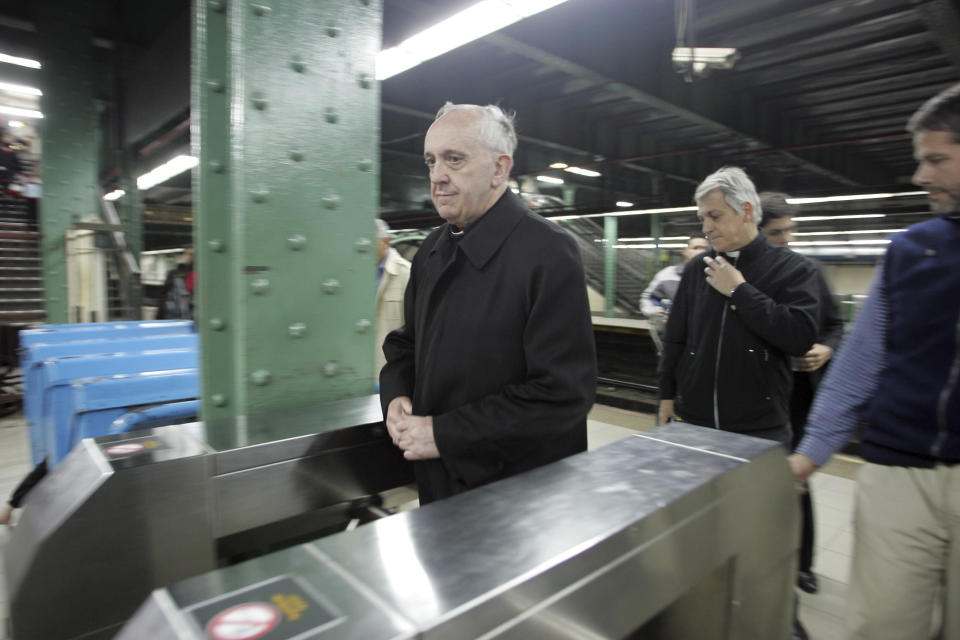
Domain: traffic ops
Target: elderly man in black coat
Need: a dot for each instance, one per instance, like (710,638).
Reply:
(495,369)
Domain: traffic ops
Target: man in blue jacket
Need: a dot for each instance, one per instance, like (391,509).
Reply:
(494,370)
(898,377)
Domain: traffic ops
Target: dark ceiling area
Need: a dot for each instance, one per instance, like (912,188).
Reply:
(814,106)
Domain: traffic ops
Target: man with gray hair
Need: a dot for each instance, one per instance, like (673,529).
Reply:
(494,370)
(741,310)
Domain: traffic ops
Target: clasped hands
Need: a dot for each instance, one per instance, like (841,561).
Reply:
(412,434)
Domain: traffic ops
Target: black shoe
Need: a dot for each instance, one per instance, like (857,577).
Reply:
(799,633)
(807,580)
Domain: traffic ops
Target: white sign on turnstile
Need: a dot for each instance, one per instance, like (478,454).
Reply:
(124,449)
(244,622)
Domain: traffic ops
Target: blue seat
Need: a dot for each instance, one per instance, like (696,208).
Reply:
(32,359)
(53,333)
(96,405)
(60,375)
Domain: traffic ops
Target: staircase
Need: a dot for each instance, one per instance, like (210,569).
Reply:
(21,275)
(634,271)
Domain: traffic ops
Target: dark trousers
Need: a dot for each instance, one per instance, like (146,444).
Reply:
(800,401)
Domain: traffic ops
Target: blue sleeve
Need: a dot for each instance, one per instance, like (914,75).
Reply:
(851,381)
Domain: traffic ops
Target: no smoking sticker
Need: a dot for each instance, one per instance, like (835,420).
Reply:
(280,608)
(124,449)
(244,622)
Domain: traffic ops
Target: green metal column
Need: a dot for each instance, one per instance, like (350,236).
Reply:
(131,204)
(70,143)
(609,264)
(655,231)
(286,129)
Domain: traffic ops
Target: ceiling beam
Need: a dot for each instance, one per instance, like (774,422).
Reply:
(647,98)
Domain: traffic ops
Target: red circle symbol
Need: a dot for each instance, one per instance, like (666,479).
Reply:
(124,449)
(244,622)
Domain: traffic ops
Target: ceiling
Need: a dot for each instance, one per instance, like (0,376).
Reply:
(815,105)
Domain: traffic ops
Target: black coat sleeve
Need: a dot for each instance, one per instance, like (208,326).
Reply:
(398,374)
(788,321)
(675,336)
(831,323)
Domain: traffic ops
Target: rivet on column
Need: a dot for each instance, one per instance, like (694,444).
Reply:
(331,200)
(260,377)
(363,245)
(297,329)
(330,286)
(363,325)
(260,286)
(297,242)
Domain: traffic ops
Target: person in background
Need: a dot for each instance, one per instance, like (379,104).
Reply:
(656,298)
(393,273)
(176,300)
(778,226)
(9,162)
(494,370)
(897,379)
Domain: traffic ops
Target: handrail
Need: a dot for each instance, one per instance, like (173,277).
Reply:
(128,271)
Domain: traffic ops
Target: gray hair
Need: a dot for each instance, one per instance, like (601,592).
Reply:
(496,127)
(736,187)
(383,231)
(939,113)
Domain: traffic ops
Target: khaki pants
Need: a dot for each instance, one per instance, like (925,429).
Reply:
(905,579)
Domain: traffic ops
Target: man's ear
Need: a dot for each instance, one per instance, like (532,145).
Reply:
(748,210)
(502,166)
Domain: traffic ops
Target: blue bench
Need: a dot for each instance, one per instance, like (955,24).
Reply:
(60,376)
(32,361)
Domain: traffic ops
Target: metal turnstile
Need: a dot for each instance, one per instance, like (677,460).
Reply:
(681,532)
(125,514)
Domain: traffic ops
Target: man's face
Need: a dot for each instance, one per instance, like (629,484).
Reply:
(938,168)
(779,231)
(695,246)
(466,177)
(383,247)
(725,228)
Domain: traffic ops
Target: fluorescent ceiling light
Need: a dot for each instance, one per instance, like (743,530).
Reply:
(624,203)
(550,179)
(23,62)
(700,59)
(559,165)
(841,251)
(703,54)
(632,212)
(653,239)
(474,22)
(514,189)
(831,243)
(649,246)
(23,113)
(861,196)
(583,172)
(15,124)
(850,217)
(166,171)
(845,233)
(20,89)
(116,194)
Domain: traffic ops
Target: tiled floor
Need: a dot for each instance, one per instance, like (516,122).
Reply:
(832,495)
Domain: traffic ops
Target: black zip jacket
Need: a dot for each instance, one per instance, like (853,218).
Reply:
(726,361)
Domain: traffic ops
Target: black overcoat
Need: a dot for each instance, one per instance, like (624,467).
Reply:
(498,347)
